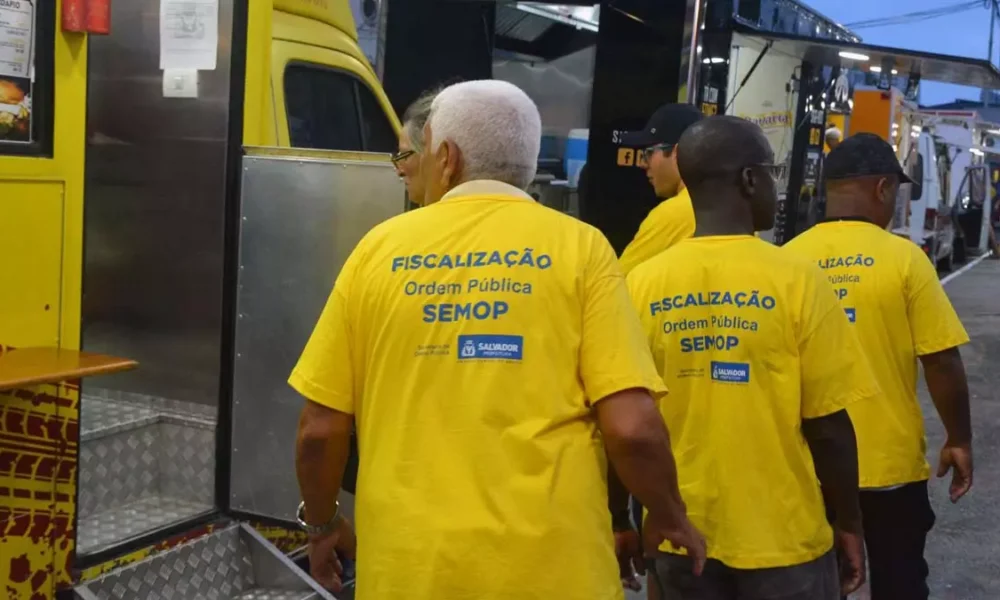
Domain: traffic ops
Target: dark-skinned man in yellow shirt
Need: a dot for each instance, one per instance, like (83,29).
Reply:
(743,334)
(891,293)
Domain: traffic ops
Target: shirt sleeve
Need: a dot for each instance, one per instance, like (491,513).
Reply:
(614,355)
(325,371)
(934,324)
(835,372)
(630,257)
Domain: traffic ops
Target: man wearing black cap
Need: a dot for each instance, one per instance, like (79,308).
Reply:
(890,291)
(673,219)
(668,223)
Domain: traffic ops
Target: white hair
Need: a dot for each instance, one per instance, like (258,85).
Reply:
(495,125)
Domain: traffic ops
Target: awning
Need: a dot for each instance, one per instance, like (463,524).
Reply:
(931,67)
(536,30)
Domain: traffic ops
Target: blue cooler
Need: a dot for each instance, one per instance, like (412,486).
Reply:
(576,154)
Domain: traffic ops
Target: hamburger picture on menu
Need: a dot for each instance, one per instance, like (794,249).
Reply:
(15,110)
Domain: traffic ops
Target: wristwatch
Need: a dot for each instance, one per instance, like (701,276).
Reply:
(300,517)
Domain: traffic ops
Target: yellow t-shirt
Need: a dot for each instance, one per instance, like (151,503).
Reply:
(742,333)
(668,223)
(890,290)
(470,339)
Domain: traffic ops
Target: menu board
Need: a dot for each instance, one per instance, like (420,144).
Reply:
(17,37)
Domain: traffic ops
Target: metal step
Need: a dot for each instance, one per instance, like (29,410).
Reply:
(236,563)
(143,465)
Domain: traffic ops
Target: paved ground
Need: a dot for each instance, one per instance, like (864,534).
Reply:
(964,548)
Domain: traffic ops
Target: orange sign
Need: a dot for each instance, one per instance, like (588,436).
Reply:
(640,160)
(709,109)
(626,157)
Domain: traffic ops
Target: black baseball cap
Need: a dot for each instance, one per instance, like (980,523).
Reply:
(666,126)
(863,155)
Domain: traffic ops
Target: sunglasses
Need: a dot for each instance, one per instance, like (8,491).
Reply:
(401,156)
(648,153)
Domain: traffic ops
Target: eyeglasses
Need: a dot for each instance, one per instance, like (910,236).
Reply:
(401,156)
(777,172)
(648,153)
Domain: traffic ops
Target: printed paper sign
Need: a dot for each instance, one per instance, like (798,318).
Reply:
(17,34)
(189,34)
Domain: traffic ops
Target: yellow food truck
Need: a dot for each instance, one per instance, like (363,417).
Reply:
(176,197)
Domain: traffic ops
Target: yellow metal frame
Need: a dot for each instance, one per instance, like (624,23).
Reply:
(41,264)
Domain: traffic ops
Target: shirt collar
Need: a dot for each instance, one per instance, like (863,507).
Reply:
(857,218)
(486,187)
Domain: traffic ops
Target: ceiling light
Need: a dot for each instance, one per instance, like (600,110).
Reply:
(853,56)
(715,60)
(875,69)
(895,72)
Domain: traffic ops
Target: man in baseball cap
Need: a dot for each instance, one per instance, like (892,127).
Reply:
(673,219)
(668,223)
(865,155)
(891,293)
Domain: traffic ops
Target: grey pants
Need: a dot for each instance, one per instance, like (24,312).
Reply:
(816,580)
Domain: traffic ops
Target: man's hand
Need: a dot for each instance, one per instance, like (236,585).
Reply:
(851,558)
(628,549)
(958,459)
(324,566)
(682,535)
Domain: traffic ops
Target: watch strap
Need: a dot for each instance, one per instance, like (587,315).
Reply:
(300,517)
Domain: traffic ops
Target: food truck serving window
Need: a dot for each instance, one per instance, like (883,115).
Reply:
(331,110)
(26,76)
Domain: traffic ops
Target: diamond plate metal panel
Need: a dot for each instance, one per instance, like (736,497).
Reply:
(276,595)
(115,525)
(118,469)
(187,462)
(131,451)
(144,464)
(215,567)
(103,417)
(234,563)
(156,403)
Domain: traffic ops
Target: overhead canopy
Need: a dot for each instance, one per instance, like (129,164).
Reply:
(546,32)
(931,67)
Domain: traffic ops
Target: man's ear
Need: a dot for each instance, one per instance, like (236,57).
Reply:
(883,188)
(451,163)
(748,180)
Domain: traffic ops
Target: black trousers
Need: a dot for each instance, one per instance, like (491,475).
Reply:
(814,580)
(896,525)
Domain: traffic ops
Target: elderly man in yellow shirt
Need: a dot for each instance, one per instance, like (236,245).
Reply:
(672,220)
(742,333)
(487,349)
(891,293)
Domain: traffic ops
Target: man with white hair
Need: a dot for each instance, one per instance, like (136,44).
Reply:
(487,349)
